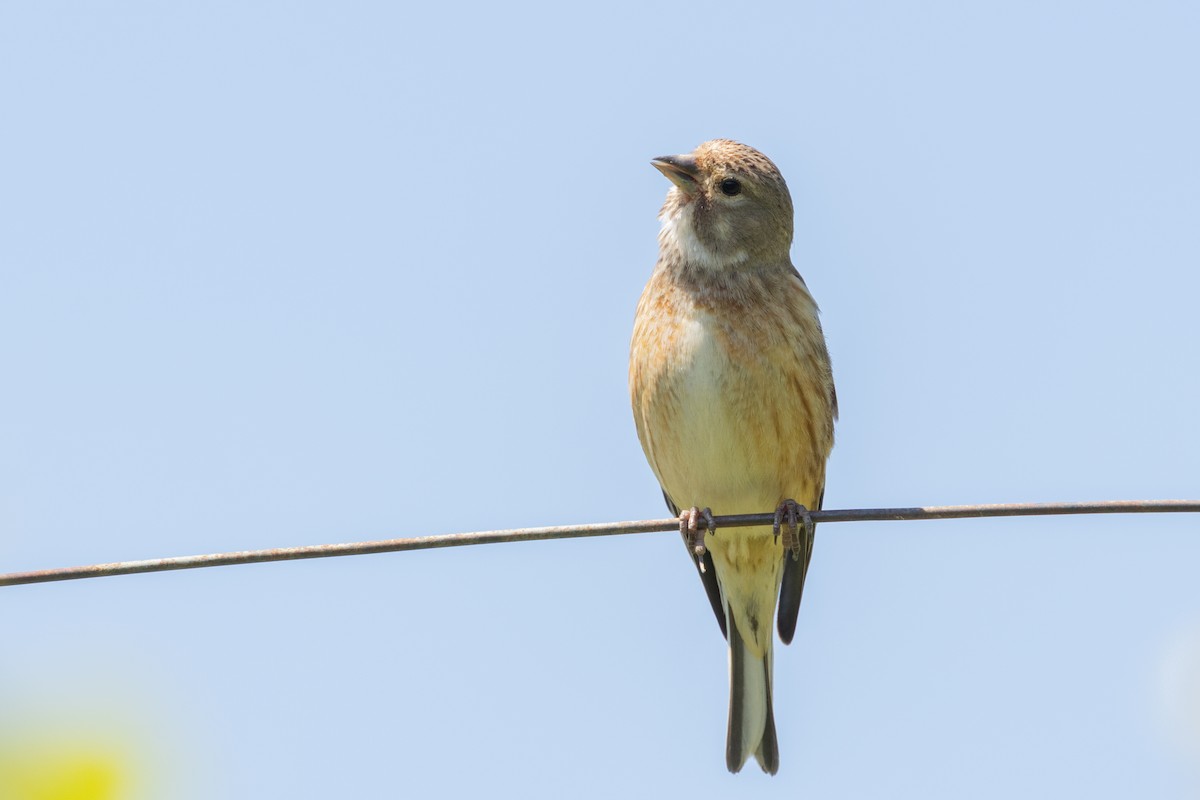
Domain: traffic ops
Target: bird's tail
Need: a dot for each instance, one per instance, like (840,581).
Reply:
(751,717)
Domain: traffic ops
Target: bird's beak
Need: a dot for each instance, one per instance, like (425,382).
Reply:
(680,170)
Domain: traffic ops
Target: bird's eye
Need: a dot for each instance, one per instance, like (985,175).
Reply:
(731,186)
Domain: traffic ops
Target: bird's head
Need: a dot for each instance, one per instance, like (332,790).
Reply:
(729,207)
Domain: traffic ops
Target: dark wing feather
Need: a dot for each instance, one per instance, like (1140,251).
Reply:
(708,575)
(792,587)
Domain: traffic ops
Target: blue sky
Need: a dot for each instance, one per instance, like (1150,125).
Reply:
(282,274)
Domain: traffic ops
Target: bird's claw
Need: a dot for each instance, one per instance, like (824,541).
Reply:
(693,534)
(795,516)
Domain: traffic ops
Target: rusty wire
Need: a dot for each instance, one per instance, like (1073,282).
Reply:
(580,531)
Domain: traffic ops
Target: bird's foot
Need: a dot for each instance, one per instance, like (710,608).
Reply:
(693,534)
(795,516)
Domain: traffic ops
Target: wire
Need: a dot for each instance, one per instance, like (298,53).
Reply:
(581,531)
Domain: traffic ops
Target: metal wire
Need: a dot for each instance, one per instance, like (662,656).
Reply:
(580,531)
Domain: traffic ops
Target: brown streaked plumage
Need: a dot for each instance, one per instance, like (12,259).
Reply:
(734,403)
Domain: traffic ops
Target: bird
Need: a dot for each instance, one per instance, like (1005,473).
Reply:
(734,403)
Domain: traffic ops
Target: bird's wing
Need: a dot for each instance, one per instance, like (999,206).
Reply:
(708,574)
(792,587)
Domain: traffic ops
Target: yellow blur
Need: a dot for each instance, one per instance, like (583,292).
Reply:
(58,770)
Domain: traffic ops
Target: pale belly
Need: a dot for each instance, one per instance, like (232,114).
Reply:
(730,435)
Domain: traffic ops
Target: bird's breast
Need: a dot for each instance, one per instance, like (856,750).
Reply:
(726,409)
